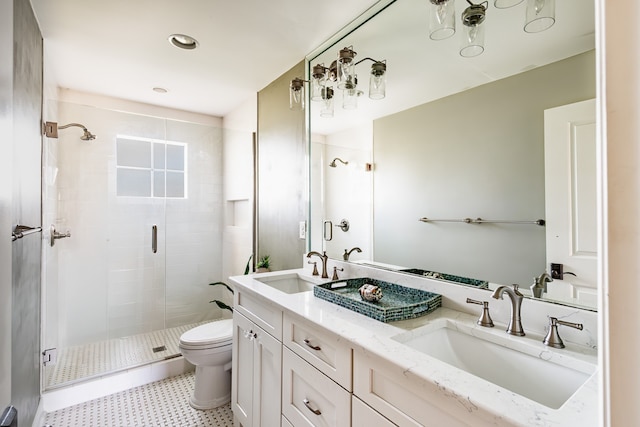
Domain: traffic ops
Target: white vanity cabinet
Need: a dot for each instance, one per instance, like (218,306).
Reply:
(257,363)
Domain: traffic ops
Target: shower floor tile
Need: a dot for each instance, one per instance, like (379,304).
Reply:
(94,359)
(163,403)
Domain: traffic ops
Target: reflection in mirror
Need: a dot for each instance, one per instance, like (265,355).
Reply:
(454,138)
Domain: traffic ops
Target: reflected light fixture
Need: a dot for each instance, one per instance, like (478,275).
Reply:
(473,32)
(340,75)
(539,16)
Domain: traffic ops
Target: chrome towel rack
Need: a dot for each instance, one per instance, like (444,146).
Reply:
(23,230)
(540,222)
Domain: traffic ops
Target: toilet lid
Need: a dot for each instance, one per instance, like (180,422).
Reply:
(219,331)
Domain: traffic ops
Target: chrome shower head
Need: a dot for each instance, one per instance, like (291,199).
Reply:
(333,162)
(87,136)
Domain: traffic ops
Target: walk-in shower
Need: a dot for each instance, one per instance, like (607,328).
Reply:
(110,301)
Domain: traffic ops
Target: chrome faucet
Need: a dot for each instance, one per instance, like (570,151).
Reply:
(346,254)
(540,285)
(515,325)
(323,257)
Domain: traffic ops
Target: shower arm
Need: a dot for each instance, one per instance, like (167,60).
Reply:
(73,124)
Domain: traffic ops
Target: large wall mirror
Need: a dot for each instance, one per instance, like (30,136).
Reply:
(461,142)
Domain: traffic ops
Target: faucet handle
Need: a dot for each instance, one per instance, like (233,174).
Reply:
(485,318)
(315,268)
(553,338)
(335,273)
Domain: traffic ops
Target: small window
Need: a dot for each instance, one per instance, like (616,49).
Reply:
(150,168)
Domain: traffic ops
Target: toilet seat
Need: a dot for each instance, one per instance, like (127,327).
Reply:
(215,334)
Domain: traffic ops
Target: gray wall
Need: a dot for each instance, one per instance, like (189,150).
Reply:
(478,153)
(20,203)
(281,174)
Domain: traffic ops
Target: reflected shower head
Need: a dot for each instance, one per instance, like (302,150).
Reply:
(333,163)
(51,130)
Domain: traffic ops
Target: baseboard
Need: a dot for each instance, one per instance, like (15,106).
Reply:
(88,390)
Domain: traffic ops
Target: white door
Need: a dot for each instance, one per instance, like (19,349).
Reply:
(570,199)
(267,379)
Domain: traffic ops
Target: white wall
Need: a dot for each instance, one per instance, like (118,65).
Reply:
(237,165)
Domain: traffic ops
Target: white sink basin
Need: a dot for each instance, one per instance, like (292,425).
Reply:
(484,354)
(290,283)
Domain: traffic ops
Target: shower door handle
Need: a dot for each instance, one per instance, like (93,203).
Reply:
(154,238)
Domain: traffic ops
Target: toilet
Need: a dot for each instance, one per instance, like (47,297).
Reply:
(208,347)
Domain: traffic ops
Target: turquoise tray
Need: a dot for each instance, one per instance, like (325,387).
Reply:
(397,303)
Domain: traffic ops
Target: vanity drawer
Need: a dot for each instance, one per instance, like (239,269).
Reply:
(310,398)
(325,351)
(403,399)
(362,415)
(260,311)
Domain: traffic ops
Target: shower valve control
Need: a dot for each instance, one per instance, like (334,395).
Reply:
(54,235)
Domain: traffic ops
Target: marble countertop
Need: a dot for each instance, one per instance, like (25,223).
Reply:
(488,403)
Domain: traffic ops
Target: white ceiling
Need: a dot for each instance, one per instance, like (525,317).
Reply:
(119,48)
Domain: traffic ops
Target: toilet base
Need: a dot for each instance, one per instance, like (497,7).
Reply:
(213,387)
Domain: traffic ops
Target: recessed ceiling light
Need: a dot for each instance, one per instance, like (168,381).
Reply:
(160,90)
(183,41)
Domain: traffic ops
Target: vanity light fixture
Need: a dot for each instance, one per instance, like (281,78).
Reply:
(540,15)
(342,74)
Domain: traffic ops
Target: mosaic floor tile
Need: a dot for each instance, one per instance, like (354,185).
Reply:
(163,403)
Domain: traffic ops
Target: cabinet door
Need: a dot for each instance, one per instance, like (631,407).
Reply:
(242,370)
(267,379)
(310,398)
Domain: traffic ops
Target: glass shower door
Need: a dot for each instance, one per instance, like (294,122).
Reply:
(143,204)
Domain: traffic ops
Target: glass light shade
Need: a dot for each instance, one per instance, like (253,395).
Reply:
(350,98)
(317,86)
(345,67)
(472,41)
(378,81)
(296,97)
(541,15)
(442,19)
(504,4)
(327,103)
(346,72)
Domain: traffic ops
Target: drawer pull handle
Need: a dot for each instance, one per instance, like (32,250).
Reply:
(308,405)
(314,347)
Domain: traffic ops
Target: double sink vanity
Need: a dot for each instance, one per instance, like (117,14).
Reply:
(304,360)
